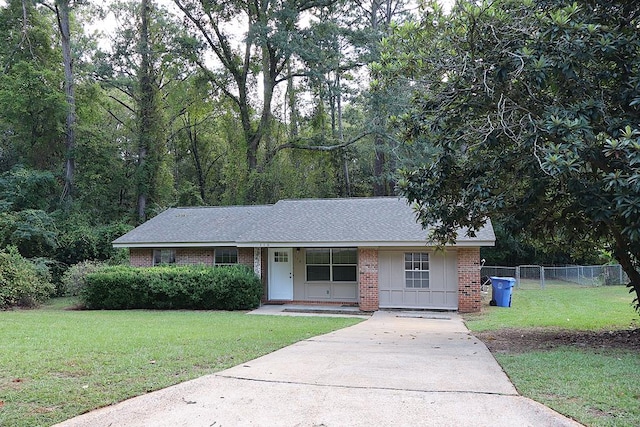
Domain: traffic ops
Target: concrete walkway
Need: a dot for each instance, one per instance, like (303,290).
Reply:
(397,368)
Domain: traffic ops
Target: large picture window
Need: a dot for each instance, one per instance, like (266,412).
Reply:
(164,256)
(332,265)
(416,270)
(226,256)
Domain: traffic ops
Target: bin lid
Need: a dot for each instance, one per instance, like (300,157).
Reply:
(503,281)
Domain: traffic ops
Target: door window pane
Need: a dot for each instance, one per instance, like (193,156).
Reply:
(281,256)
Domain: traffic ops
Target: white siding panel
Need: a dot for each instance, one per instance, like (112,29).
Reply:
(318,291)
(345,291)
(443,281)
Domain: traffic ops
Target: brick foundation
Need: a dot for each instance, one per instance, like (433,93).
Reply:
(469,296)
(368,279)
(312,302)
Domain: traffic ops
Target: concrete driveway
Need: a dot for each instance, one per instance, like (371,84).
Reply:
(397,368)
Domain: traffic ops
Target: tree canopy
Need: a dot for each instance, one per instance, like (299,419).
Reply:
(177,103)
(519,110)
(530,114)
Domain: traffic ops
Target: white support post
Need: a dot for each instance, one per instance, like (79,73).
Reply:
(257,261)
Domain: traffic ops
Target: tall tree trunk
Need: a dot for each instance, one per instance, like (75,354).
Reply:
(622,253)
(192,133)
(345,172)
(263,134)
(345,160)
(291,101)
(147,101)
(381,183)
(62,12)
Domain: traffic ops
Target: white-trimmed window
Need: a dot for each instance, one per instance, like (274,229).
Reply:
(332,265)
(416,270)
(164,256)
(226,256)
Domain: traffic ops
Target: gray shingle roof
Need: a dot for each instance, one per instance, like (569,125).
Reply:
(211,225)
(379,221)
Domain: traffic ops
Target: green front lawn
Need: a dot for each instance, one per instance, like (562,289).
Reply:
(561,306)
(55,363)
(596,386)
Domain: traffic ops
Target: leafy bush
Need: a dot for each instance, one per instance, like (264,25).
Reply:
(22,283)
(25,221)
(80,241)
(23,189)
(171,287)
(31,231)
(74,280)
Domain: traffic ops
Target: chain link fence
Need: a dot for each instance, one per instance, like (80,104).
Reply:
(538,277)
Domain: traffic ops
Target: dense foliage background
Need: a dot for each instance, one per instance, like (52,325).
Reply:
(110,112)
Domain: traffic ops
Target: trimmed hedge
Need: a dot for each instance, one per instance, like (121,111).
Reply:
(163,288)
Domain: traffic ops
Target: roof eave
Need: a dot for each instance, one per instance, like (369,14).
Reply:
(292,244)
(474,243)
(171,244)
(351,244)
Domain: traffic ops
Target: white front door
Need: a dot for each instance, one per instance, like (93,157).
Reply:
(280,274)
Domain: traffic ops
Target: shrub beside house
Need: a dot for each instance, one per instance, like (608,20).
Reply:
(194,287)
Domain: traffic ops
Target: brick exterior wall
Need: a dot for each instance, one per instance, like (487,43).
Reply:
(469,296)
(140,257)
(143,257)
(192,256)
(245,257)
(368,279)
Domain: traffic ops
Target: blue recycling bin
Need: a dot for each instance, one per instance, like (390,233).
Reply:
(502,287)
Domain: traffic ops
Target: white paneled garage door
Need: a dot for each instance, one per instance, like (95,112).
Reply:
(416,278)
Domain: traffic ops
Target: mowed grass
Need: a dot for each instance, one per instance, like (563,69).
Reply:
(55,363)
(561,306)
(597,387)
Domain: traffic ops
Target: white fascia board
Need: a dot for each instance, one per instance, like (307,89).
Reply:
(175,245)
(420,244)
(474,243)
(383,244)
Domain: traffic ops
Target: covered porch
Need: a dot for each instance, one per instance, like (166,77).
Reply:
(310,275)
